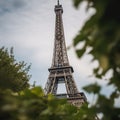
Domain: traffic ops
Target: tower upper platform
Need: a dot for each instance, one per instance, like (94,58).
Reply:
(58,7)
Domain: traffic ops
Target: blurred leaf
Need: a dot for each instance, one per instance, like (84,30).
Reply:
(104,63)
(80,52)
(37,91)
(78,39)
(92,88)
(77,2)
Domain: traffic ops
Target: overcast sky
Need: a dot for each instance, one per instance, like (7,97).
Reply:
(28,26)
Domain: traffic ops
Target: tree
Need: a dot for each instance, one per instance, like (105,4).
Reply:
(13,74)
(101,33)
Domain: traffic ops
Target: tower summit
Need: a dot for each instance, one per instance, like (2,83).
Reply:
(60,70)
(58,2)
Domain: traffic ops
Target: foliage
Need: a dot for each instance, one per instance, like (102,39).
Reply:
(93,88)
(101,33)
(31,104)
(13,75)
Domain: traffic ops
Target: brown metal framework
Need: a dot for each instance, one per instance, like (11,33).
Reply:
(61,71)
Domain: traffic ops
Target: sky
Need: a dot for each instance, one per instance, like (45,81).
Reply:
(28,26)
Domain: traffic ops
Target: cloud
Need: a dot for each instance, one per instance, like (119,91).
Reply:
(7,6)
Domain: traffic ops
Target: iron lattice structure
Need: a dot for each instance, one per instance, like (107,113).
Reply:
(61,71)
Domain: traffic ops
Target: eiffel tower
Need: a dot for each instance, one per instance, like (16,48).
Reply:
(60,70)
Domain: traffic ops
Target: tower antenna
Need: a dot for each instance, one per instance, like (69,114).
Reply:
(58,2)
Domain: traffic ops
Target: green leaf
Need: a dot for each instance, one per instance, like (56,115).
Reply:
(78,39)
(77,2)
(80,52)
(37,91)
(92,88)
